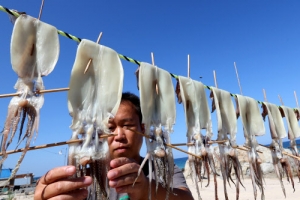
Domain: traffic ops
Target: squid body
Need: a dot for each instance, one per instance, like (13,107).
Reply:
(159,114)
(93,99)
(34,52)
(197,116)
(227,125)
(253,125)
(278,132)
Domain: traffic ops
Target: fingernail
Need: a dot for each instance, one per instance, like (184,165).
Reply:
(87,180)
(111,174)
(70,170)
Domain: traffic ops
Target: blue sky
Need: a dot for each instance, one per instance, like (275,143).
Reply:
(262,37)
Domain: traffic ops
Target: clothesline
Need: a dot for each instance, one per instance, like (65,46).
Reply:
(77,39)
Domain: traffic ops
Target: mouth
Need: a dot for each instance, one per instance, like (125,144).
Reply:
(121,149)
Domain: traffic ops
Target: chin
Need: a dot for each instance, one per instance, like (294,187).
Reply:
(120,154)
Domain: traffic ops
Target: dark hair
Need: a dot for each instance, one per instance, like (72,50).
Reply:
(135,100)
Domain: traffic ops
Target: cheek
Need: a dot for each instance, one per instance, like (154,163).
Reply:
(110,140)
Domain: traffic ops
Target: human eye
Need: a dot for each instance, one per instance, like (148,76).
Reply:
(129,125)
(111,127)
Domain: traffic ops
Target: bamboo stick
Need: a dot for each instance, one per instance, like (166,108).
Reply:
(245,148)
(296,100)
(237,75)
(285,153)
(183,144)
(90,60)
(52,145)
(9,95)
(217,141)
(41,10)
(169,145)
(265,95)
(280,100)
(209,142)
(215,79)
(152,58)
(37,92)
(52,90)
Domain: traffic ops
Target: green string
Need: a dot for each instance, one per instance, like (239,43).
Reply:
(72,37)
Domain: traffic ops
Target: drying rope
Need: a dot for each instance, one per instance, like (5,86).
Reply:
(77,39)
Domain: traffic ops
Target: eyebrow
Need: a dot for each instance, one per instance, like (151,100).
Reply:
(122,120)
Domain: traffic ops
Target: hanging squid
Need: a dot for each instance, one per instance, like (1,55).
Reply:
(278,132)
(159,114)
(93,98)
(192,94)
(253,125)
(293,132)
(34,52)
(227,125)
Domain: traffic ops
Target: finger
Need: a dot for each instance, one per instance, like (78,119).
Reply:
(119,162)
(76,194)
(65,186)
(123,170)
(57,174)
(122,181)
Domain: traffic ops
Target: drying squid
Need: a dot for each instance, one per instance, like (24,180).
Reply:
(93,98)
(227,125)
(159,113)
(253,125)
(278,132)
(192,94)
(293,131)
(34,52)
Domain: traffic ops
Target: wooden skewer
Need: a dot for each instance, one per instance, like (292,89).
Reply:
(296,100)
(53,144)
(156,86)
(90,60)
(290,155)
(9,95)
(183,144)
(52,90)
(237,75)
(215,79)
(188,72)
(41,9)
(265,95)
(38,92)
(211,142)
(169,145)
(285,153)
(217,141)
(152,58)
(280,100)
(246,148)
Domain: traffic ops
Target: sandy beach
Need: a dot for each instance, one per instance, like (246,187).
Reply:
(272,190)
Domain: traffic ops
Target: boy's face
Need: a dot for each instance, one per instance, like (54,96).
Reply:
(126,143)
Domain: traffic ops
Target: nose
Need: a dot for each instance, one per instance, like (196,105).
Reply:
(120,134)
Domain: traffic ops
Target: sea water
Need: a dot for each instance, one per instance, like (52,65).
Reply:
(286,144)
(180,162)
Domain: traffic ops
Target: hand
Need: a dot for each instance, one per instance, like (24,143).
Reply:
(122,176)
(58,184)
